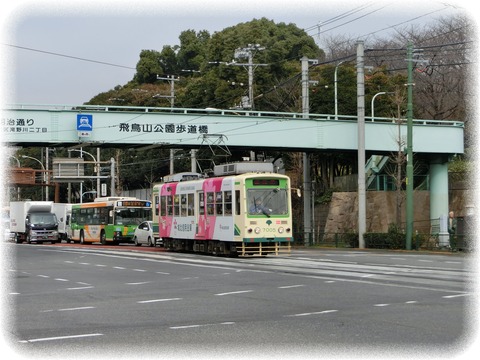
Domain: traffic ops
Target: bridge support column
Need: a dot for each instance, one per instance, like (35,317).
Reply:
(439,196)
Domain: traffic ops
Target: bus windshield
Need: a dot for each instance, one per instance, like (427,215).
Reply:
(132,216)
(267,202)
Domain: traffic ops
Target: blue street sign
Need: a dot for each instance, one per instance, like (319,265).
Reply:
(84,125)
(84,122)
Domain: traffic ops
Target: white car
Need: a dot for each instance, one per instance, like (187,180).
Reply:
(144,234)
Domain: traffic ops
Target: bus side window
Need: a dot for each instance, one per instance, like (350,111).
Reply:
(237,202)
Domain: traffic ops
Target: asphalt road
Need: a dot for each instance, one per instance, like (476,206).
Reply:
(96,301)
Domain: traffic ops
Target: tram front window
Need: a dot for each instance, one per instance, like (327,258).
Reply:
(267,202)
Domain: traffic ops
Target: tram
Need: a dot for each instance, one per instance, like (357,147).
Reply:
(243,210)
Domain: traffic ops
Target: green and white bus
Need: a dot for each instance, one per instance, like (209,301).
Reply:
(108,220)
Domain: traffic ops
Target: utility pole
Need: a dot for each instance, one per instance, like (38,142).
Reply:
(248,52)
(171,79)
(362,207)
(409,204)
(307,177)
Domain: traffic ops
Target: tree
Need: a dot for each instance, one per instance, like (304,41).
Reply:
(148,67)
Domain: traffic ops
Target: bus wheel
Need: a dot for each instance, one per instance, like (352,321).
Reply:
(103,238)
(82,238)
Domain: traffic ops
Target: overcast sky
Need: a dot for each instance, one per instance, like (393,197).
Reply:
(111,34)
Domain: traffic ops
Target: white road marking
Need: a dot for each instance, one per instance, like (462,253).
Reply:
(163,273)
(381,305)
(44,276)
(119,267)
(234,292)
(138,283)
(157,300)
(60,338)
(59,279)
(454,296)
(69,309)
(78,308)
(411,302)
(313,313)
(81,288)
(290,286)
(140,270)
(198,325)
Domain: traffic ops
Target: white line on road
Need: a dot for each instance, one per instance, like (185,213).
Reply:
(381,305)
(138,283)
(140,270)
(78,308)
(59,279)
(454,296)
(60,338)
(313,313)
(290,286)
(119,267)
(198,325)
(234,292)
(69,309)
(157,300)
(81,288)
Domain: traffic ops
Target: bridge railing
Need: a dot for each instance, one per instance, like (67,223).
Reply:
(224,112)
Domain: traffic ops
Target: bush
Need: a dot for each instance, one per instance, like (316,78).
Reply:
(393,239)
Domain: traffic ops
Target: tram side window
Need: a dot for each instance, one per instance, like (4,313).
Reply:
(191,205)
(183,205)
(227,198)
(201,203)
(163,205)
(237,202)
(176,205)
(156,202)
(219,203)
(210,203)
(169,205)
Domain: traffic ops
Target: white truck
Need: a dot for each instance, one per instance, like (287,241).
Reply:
(33,221)
(64,213)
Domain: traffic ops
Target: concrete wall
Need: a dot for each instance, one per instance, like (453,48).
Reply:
(341,214)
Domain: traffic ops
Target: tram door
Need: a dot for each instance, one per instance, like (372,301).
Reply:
(200,230)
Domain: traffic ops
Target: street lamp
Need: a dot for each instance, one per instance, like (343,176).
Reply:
(97,169)
(43,168)
(335,88)
(373,99)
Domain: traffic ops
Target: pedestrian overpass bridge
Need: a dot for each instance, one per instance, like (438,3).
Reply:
(118,126)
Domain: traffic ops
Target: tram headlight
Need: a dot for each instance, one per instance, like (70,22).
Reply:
(288,230)
(281,230)
(257,230)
